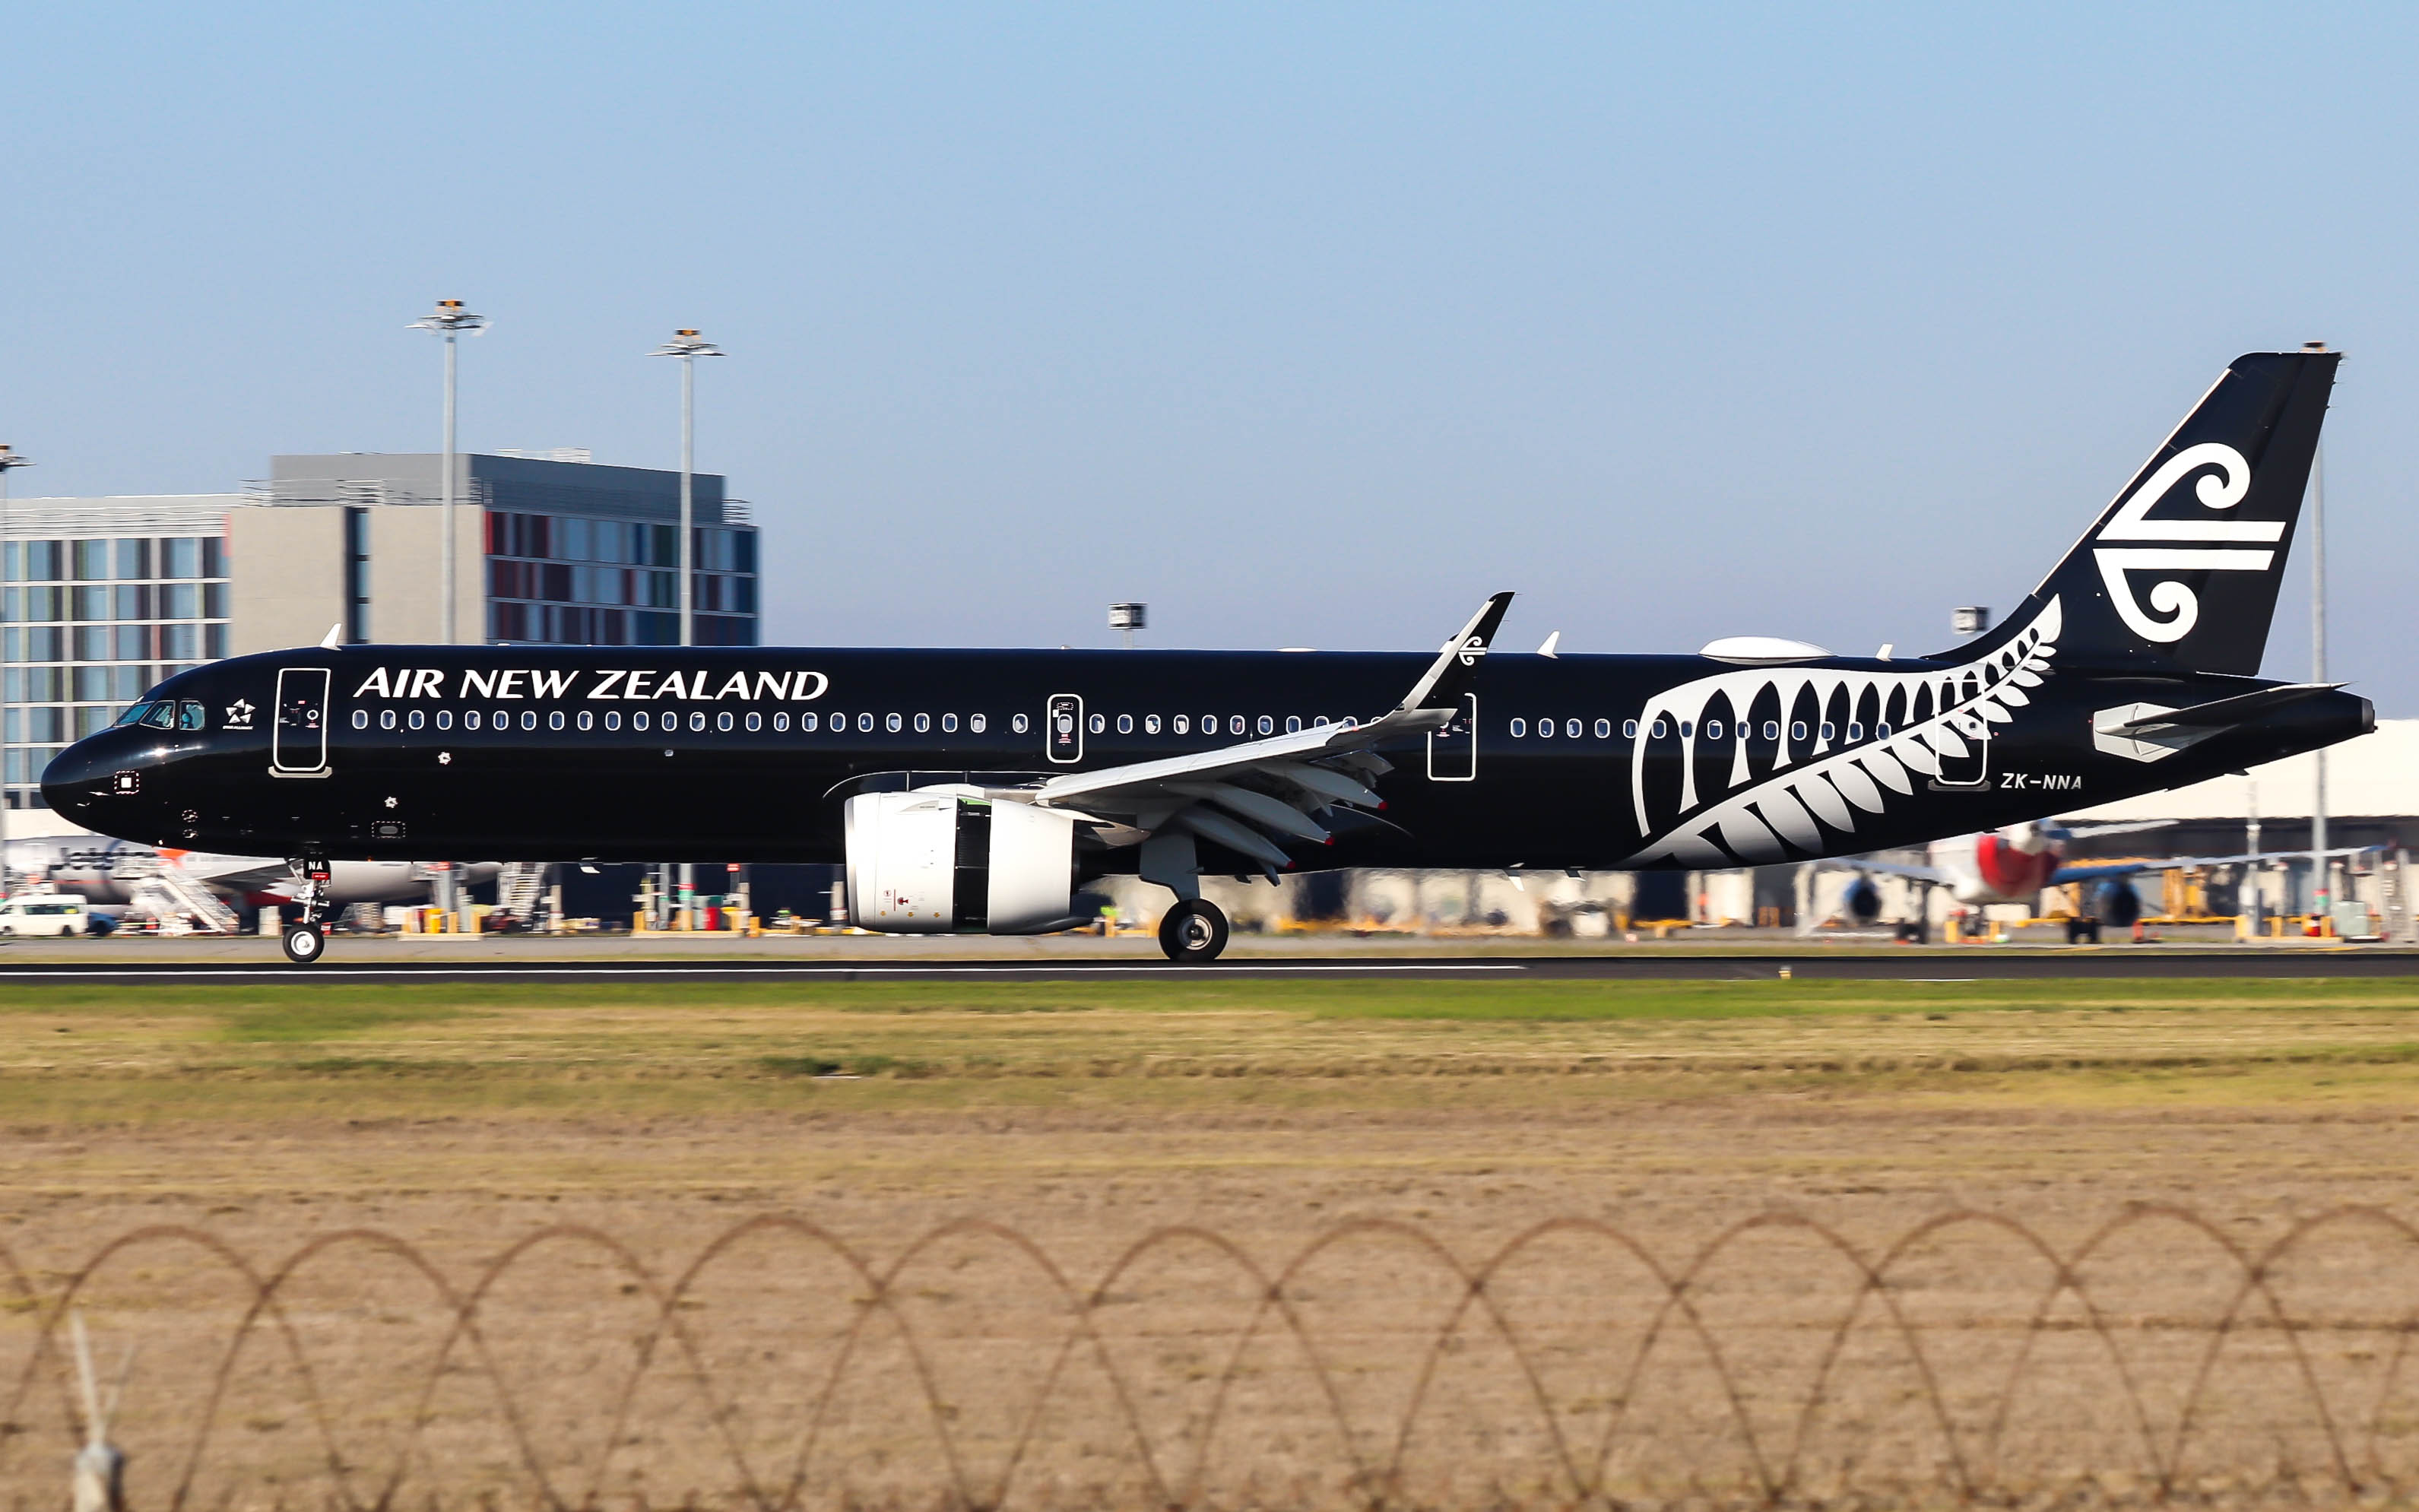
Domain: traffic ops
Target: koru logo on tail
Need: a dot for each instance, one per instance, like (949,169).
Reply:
(2174,606)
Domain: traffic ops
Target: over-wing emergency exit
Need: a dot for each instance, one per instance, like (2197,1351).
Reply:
(976,790)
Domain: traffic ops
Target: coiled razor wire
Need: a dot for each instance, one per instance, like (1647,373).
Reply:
(1277,1304)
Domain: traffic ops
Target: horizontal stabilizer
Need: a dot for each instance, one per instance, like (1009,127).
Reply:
(2222,713)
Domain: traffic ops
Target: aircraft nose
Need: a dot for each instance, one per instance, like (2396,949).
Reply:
(99,782)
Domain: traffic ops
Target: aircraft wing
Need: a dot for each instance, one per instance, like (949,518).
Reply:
(2089,870)
(1891,869)
(1254,797)
(231,873)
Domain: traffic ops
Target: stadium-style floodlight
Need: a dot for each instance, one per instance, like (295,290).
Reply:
(449,321)
(10,461)
(689,346)
(1127,618)
(2321,873)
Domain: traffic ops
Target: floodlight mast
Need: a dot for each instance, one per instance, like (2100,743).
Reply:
(9,460)
(2321,870)
(689,346)
(449,321)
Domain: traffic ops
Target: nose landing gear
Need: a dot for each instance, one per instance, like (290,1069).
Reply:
(1192,933)
(306,941)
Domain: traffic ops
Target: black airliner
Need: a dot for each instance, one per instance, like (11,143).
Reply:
(976,790)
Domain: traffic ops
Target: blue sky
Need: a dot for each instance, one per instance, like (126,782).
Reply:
(1308,324)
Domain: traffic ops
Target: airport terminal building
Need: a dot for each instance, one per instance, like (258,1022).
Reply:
(100,598)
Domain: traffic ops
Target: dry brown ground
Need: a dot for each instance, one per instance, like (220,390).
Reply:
(1385,1146)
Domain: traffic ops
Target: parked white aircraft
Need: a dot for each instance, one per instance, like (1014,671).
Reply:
(105,871)
(2015,864)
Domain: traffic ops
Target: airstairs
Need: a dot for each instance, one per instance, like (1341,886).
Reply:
(520,890)
(168,893)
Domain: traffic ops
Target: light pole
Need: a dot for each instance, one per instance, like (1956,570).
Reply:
(2322,881)
(449,321)
(10,461)
(689,346)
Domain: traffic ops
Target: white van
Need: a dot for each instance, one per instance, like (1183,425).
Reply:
(43,913)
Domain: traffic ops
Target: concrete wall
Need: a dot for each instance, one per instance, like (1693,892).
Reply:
(406,573)
(286,576)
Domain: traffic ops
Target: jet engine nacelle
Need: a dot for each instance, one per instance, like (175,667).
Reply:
(930,863)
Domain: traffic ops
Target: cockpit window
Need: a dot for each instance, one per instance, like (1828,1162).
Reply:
(160,716)
(134,714)
(189,716)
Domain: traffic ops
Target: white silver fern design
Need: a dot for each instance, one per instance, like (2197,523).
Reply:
(1829,780)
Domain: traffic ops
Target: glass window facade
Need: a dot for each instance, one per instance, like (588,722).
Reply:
(90,625)
(562,580)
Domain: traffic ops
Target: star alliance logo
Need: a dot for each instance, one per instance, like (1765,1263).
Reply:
(239,716)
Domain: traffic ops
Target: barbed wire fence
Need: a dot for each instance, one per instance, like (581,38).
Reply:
(1969,1359)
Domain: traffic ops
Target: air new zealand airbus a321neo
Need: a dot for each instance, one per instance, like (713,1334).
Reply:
(975,791)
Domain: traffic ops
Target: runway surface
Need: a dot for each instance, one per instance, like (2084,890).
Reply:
(1978,965)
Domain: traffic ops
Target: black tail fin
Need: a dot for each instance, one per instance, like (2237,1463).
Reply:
(2181,572)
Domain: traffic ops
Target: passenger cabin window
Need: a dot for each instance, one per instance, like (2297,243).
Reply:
(1183,724)
(1881,732)
(1573,729)
(781,723)
(445,718)
(587,721)
(612,719)
(1604,730)
(893,723)
(1150,724)
(1293,724)
(865,724)
(554,718)
(948,724)
(1855,729)
(923,724)
(1688,729)
(1713,730)
(1520,728)
(1830,731)
(721,721)
(361,718)
(640,719)
(978,723)
(1098,723)
(1020,724)
(1629,729)
(1772,729)
(1125,724)
(1234,724)
(1796,728)
(1661,728)
(1265,725)
(1545,730)
(470,720)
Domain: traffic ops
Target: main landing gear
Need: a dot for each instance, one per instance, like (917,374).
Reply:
(306,940)
(1192,933)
